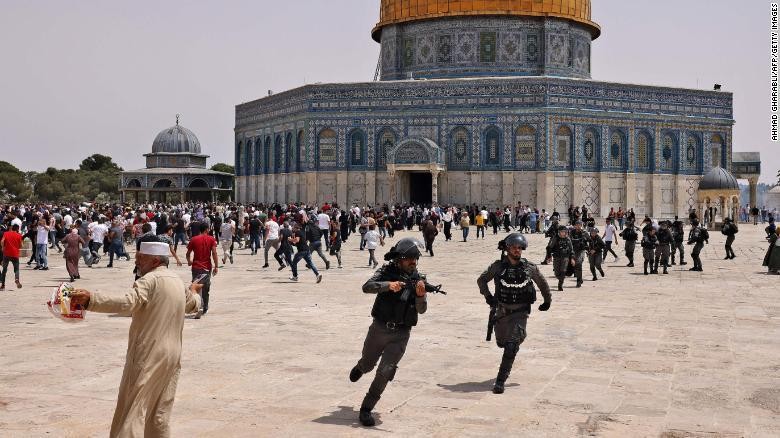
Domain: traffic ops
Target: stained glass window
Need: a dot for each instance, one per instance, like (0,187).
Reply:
(563,137)
(357,142)
(327,147)
(667,152)
(492,147)
(460,149)
(288,152)
(525,144)
(716,143)
(616,149)
(589,147)
(299,153)
(642,144)
(690,151)
(278,154)
(267,155)
(386,142)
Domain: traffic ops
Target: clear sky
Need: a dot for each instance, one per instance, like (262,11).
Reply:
(83,77)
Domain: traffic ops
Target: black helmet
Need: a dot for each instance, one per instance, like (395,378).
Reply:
(514,239)
(562,228)
(694,222)
(406,248)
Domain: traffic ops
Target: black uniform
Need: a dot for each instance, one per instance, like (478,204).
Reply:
(395,313)
(514,295)
(665,240)
(729,230)
(562,252)
(678,234)
(580,240)
(649,242)
(630,236)
(696,237)
(596,255)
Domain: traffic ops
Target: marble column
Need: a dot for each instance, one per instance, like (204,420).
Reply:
(392,183)
(435,186)
(753,191)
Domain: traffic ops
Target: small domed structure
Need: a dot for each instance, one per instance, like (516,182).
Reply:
(176,139)
(773,198)
(718,179)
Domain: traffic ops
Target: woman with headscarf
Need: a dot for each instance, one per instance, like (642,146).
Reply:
(772,257)
(73,244)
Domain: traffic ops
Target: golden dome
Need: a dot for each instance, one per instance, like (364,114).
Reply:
(401,11)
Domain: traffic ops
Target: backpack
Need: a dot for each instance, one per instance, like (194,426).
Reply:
(705,235)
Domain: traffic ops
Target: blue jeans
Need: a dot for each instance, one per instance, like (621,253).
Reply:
(40,255)
(254,242)
(465,233)
(206,282)
(179,237)
(305,255)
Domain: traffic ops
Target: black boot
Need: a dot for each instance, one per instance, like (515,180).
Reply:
(503,373)
(560,285)
(645,267)
(355,374)
(366,419)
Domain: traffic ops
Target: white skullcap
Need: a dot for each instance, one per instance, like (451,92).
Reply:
(155,249)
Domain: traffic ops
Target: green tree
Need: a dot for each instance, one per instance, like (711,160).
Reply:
(13,183)
(98,162)
(222,167)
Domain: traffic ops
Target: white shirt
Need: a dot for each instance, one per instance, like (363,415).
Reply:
(42,237)
(609,233)
(226,231)
(67,221)
(186,218)
(484,214)
(98,231)
(372,239)
(153,224)
(17,221)
(323,221)
(273,230)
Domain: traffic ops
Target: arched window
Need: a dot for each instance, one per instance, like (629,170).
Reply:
(248,158)
(590,147)
(492,146)
(386,142)
(258,156)
(288,153)
(326,145)
(460,146)
(616,149)
(563,146)
(716,144)
(267,156)
(642,151)
(239,157)
(298,150)
(278,154)
(357,144)
(691,151)
(667,153)
(525,144)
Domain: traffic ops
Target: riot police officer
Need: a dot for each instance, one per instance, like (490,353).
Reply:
(729,230)
(400,295)
(514,293)
(562,253)
(678,234)
(596,253)
(580,241)
(649,242)
(630,236)
(665,240)
(697,237)
(551,234)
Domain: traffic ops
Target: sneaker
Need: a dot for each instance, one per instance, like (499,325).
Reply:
(319,278)
(109,266)
(327,264)
(281,267)
(45,268)
(340,266)
(265,265)
(366,419)
(37,268)
(293,278)
(231,260)
(355,374)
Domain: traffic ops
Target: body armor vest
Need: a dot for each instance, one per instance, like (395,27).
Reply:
(513,284)
(578,240)
(390,307)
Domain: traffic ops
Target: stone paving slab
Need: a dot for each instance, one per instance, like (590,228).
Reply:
(679,355)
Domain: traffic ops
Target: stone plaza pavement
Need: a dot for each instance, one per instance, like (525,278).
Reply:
(680,355)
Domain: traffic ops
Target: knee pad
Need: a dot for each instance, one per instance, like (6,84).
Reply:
(387,371)
(511,349)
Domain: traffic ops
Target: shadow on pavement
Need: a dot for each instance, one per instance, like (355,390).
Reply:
(486,386)
(346,416)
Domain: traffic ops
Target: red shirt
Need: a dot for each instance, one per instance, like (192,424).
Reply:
(201,246)
(13,243)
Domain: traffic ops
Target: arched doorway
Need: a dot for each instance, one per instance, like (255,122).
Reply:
(413,167)
(198,191)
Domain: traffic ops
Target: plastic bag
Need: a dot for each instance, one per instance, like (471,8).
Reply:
(61,307)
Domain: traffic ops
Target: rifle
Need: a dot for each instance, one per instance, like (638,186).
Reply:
(410,286)
(491,323)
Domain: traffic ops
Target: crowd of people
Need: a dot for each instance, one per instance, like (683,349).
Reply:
(294,233)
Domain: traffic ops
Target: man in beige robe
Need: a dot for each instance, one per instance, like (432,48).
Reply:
(157,305)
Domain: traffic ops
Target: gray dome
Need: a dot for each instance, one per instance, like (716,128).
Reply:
(176,139)
(718,179)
